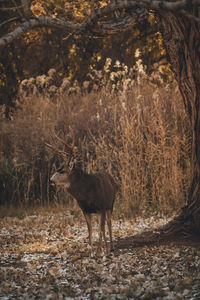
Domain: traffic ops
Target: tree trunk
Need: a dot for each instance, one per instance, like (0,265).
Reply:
(181,39)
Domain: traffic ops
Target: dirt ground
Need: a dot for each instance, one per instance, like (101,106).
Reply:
(48,257)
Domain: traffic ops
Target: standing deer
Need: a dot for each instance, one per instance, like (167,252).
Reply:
(95,193)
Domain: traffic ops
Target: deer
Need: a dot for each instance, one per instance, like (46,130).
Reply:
(95,193)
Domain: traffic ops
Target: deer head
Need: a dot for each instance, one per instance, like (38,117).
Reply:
(67,153)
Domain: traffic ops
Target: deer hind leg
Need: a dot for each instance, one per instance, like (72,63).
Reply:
(102,231)
(109,223)
(88,218)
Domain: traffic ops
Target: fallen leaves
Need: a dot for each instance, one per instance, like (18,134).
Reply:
(47,257)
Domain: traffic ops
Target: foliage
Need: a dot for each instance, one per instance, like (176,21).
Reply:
(72,57)
(135,131)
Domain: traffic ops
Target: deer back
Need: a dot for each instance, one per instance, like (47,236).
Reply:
(94,192)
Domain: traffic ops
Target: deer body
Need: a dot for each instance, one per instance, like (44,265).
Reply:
(95,193)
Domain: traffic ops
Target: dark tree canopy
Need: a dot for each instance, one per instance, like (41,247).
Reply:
(179,24)
(72,55)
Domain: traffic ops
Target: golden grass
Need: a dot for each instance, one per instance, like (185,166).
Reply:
(139,135)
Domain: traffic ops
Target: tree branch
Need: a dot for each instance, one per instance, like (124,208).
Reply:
(40,22)
(9,21)
(10,8)
(128,4)
(118,25)
(135,11)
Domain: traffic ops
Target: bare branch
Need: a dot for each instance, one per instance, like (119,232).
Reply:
(40,22)
(120,24)
(166,5)
(10,8)
(135,11)
(128,4)
(9,21)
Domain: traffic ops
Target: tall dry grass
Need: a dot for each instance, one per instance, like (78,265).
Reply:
(138,133)
(145,142)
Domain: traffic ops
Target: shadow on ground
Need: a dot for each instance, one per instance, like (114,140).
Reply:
(159,238)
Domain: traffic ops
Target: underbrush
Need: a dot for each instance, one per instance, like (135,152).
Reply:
(138,133)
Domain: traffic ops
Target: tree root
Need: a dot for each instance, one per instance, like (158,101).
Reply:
(177,232)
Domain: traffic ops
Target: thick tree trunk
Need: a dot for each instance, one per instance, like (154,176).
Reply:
(181,38)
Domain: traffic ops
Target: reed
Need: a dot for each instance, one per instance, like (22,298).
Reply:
(139,133)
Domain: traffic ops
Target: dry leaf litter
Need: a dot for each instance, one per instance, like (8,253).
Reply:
(47,257)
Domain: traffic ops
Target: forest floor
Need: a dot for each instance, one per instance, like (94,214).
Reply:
(47,257)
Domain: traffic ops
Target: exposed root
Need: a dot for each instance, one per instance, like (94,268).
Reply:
(175,232)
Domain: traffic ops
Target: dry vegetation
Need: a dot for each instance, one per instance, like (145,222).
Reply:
(132,128)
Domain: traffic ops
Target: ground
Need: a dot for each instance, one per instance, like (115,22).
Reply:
(47,257)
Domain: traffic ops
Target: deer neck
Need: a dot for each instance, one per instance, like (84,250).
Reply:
(76,182)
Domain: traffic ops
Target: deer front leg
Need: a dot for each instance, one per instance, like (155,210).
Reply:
(88,218)
(109,222)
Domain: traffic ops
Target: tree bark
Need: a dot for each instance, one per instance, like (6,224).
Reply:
(181,39)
